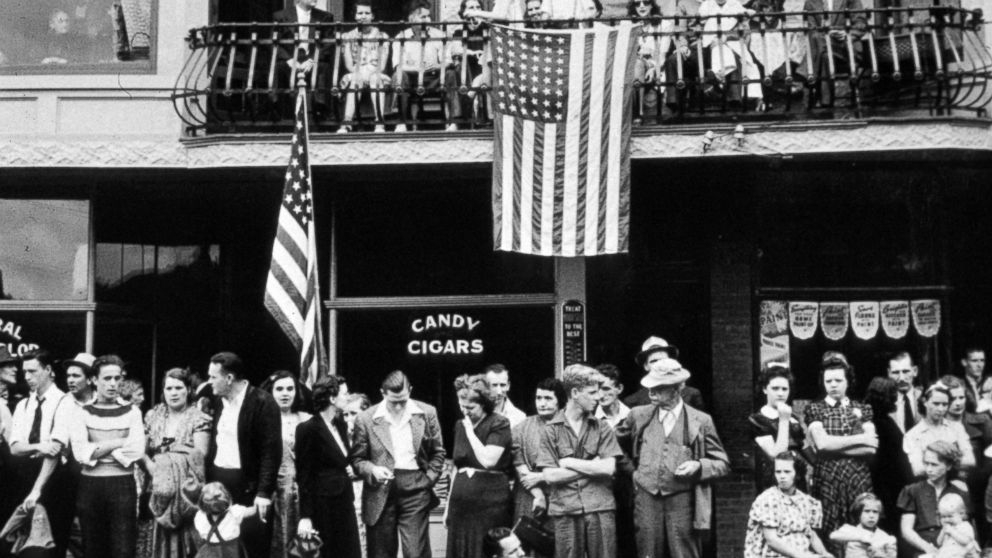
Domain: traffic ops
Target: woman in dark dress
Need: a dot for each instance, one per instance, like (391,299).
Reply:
(920,523)
(326,499)
(890,470)
(844,436)
(773,428)
(480,490)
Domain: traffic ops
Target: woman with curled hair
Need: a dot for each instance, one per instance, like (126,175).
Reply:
(480,488)
(889,474)
(289,396)
(774,429)
(843,434)
(178,439)
(326,498)
(935,426)
(920,524)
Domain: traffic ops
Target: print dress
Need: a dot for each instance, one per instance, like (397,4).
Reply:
(837,481)
(793,518)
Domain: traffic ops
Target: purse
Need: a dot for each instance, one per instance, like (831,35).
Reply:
(305,548)
(535,536)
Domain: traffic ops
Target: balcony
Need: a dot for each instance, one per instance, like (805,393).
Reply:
(765,67)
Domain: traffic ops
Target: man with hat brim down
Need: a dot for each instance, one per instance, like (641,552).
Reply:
(655,345)
(677,454)
(577,458)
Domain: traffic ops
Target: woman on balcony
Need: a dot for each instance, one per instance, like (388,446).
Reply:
(466,57)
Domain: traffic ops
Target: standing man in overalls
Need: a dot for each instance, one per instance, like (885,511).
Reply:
(676,454)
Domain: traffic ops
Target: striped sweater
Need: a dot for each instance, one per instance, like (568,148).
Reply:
(94,427)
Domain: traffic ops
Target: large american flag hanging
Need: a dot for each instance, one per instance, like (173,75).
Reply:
(561,166)
(291,291)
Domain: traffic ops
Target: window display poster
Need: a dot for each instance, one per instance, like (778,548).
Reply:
(774,331)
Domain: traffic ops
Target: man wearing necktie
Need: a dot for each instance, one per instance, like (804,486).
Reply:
(39,433)
(677,455)
(903,372)
(303,48)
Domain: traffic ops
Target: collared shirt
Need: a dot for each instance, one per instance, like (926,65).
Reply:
(669,418)
(915,442)
(51,428)
(303,16)
(913,394)
(511,412)
(920,499)
(595,440)
(335,435)
(622,412)
(404,454)
(228,451)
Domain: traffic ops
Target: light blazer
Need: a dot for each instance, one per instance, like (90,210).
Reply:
(372,445)
(706,448)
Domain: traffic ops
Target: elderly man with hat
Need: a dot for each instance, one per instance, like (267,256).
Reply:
(657,347)
(677,454)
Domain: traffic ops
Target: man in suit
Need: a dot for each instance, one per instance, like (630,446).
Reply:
(677,454)
(304,55)
(655,345)
(845,26)
(903,371)
(247,447)
(973,362)
(398,452)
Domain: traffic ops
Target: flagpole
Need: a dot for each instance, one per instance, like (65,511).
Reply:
(323,366)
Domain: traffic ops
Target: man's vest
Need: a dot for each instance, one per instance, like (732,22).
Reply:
(661,455)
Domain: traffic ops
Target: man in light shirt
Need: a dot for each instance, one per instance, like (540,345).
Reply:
(398,452)
(418,58)
(933,427)
(498,378)
(247,447)
(39,434)
(903,371)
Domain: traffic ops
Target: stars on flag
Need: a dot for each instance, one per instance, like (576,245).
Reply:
(529,67)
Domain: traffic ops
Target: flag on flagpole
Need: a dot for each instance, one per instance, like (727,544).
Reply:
(561,164)
(292,292)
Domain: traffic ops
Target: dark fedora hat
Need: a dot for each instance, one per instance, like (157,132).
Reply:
(6,357)
(654,344)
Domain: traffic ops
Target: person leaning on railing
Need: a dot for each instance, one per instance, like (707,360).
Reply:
(418,56)
(366,53)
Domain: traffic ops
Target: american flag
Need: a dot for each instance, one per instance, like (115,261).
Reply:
(561,166)
(291,291)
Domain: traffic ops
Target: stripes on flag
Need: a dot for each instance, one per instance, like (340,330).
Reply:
(561,170)
(292,293)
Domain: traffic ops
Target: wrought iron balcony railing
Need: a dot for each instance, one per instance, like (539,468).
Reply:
(435,75)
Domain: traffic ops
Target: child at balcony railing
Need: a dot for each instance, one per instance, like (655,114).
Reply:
(366,52)
(418,56)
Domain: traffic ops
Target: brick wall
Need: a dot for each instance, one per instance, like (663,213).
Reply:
(733,392)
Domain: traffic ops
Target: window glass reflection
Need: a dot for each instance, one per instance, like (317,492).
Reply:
(44,249)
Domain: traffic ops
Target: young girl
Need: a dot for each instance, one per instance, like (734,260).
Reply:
(219,523)
(957,536)
(864,539)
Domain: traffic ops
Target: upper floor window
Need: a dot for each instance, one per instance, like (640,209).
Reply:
(44,252)
(77,36)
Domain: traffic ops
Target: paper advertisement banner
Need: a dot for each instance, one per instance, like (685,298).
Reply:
(774,317)
(864,319)
(774,349)
(803,319)
(833,319)
(926,316)
(895,318)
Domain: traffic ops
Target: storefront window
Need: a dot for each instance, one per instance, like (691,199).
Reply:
(44,249)
(117,264)
(434,346)
(428,242)
(61,333)
(77,36)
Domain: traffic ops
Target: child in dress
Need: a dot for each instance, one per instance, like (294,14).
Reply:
(957,536)
(219,523)
(862,538)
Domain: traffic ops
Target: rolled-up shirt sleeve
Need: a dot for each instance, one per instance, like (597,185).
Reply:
(134,444)
(66,414)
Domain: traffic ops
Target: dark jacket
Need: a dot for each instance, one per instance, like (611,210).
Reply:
(321,467)
(259,441)
(288,33)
